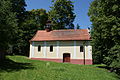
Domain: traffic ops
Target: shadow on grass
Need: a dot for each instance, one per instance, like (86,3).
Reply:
(115,70)
(9,66)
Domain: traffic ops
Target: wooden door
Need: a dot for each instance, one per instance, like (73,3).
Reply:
(66,57)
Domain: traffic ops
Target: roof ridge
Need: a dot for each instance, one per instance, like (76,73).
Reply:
(69,29)
(66,30)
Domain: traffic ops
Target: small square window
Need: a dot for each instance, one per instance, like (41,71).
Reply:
(51,48)
(39,48)
(81,48)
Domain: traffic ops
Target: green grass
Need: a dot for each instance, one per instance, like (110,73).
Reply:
(22,68)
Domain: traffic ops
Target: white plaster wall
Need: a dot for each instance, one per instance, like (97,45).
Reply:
(36,53)
(30,55)
(60,47)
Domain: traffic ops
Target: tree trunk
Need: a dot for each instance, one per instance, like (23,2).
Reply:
(2,56)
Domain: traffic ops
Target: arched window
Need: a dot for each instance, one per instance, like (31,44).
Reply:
(81,48)
(51,48)
(39,48)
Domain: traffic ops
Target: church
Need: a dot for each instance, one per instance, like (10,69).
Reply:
(65,46)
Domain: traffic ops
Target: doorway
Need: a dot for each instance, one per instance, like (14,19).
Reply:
(66,57)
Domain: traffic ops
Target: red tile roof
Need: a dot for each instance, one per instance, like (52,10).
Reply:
(54,35)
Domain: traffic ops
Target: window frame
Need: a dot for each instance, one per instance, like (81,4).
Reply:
(39,48)
(51,48)
(81,48)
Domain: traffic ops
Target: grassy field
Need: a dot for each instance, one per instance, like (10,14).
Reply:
(22,68)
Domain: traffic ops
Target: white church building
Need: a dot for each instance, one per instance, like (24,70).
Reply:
(71,46)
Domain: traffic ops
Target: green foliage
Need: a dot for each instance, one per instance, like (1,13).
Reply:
(105,18)
(39,16)
(114,57)
(18,7)
(61,14)
(19,67)
(35,20)
(8,23)
(78,26)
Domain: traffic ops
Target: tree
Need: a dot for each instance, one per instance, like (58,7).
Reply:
(39,16)
(105,18)
(78,26)
(8,23)
(61,14)
(34,20)
(18,6)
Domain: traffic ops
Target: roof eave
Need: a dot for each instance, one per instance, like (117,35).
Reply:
(59,40)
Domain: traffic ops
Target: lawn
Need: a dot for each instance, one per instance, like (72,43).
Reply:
(22,68)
